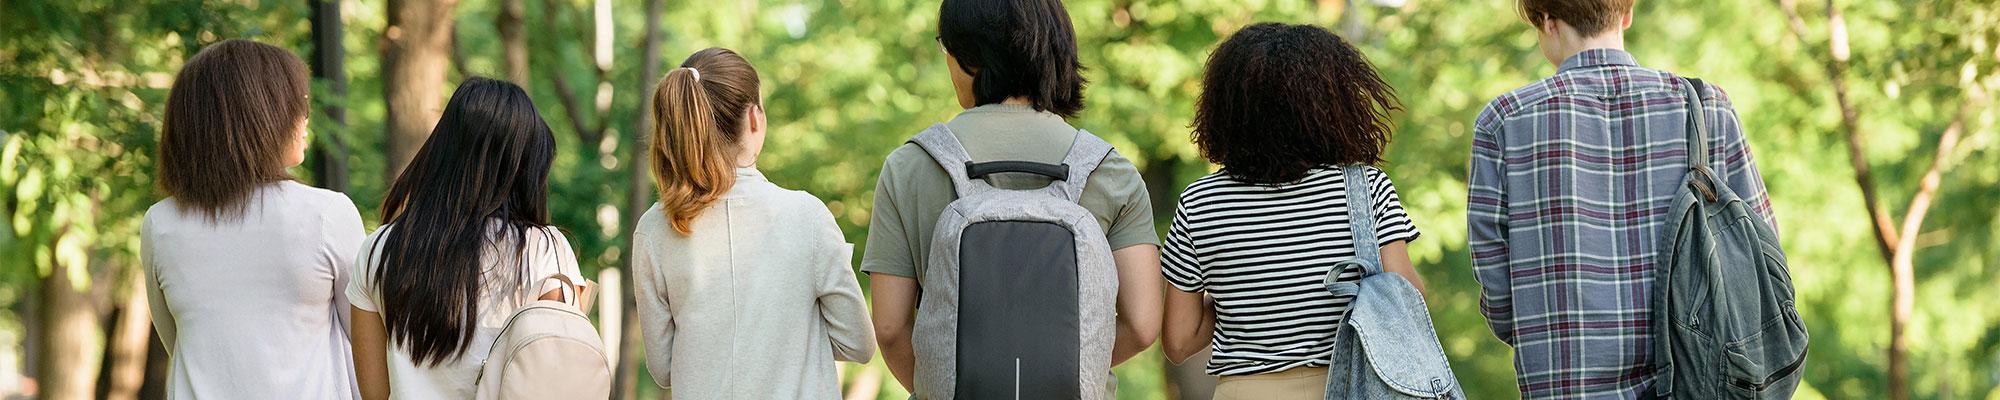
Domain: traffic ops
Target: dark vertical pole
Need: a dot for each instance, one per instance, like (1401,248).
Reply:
(328,65)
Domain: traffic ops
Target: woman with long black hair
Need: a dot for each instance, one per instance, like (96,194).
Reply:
(465,240)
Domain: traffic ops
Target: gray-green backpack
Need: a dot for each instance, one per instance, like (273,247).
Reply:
(1019,296)
(1724,325)
(1385,349)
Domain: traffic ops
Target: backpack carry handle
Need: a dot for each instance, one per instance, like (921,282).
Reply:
(1361,220)
(1085,154)
(572,292)
(978,170)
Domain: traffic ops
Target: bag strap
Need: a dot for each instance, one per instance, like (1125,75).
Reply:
(1085,154)
(1697,139)
(1361,217)
(950,155)
(1361,220)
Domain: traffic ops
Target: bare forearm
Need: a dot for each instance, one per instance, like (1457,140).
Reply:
(369,342)
(894,300)
(1189,325)
(1127,345)
(901,359)
(1138,300)
(1396,258)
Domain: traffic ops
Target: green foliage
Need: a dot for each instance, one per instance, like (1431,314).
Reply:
(82,85)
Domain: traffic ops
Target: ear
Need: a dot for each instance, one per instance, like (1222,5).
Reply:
(755,115)
(1626,21)
(1549,26)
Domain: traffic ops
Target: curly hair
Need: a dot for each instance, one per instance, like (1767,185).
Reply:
(1281,100)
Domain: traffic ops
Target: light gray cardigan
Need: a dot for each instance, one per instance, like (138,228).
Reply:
(756,303)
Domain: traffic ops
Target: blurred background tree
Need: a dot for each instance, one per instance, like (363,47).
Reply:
(1873,122)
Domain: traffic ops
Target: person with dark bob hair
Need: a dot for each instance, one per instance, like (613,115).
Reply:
(1008,50)
(1283,109)
(244,265)
(1014,67)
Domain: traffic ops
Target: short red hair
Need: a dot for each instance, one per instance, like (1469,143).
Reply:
(1589,17)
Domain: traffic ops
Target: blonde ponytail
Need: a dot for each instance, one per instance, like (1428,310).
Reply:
(698,111)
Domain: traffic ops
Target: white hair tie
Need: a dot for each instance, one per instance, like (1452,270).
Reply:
(697,73)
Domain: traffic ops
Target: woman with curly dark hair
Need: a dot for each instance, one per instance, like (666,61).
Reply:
(1284,107)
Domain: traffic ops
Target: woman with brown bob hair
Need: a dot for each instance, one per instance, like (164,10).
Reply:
(244,265)
(745,288)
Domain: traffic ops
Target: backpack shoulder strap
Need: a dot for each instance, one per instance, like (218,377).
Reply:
(1084,156)
(1697,123)
(950,155)
(1697,139)
(1361,217)
(1361,220)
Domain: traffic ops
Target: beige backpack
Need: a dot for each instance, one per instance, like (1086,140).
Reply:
(547,350)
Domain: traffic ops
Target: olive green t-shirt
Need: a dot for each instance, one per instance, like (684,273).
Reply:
(914,190)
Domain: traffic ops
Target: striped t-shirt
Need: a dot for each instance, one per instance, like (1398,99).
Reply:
(1263,253)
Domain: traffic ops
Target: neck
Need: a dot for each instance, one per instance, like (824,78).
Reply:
(1612,39)
(1018,100)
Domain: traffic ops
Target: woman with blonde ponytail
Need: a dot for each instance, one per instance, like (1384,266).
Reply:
(745,289)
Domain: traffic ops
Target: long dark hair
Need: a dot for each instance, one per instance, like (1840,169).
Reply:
(481,180)
(700,108)
(232,115)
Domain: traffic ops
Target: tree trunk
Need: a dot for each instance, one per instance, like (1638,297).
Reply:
(579,121)
(418,48)
(155,384)
(71,350)
(130,339)
(329,65)
(1898,245)
(601,52)
(514,40)
(639,192)
(616,327)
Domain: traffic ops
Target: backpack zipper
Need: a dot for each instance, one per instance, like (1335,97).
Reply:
(1741,383)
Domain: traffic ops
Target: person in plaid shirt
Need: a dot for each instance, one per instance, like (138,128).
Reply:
(1571,181)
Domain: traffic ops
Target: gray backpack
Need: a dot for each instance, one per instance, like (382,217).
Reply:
(1386,348)
(1724,325)
(1019,296)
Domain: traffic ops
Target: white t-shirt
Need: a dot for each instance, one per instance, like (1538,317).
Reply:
(546,254)
(251,307)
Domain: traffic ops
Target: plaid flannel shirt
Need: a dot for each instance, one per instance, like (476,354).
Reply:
(1571,181)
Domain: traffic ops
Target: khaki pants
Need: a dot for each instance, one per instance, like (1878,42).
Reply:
(1301,383)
